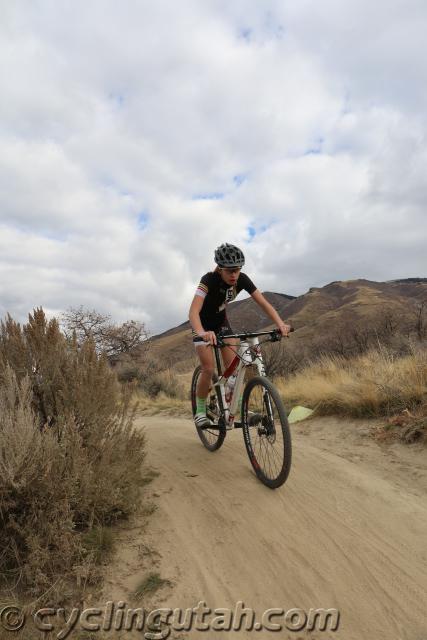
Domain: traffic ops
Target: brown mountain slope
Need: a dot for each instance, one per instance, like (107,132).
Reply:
(316,312)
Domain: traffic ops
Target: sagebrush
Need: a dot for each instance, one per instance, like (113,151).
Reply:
(70,457)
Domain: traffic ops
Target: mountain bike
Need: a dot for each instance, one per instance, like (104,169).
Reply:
(263,417)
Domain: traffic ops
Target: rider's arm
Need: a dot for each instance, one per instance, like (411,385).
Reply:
(194,314)
(271,312)
(194,317)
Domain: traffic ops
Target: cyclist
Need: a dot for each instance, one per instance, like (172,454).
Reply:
(208,316)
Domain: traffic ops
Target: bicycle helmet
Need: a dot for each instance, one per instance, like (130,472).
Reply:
(228,255)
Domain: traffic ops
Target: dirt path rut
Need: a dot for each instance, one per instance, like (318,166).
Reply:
(347,531)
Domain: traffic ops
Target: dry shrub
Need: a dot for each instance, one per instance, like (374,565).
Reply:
(137,370)
(70,458)
(406,426)
(36,522)
(374,384)
(167,383)
(152,378)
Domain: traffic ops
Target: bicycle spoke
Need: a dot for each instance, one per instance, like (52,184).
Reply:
(211,438)
(268,443)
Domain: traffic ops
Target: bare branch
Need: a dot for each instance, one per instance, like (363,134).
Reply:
(129,338)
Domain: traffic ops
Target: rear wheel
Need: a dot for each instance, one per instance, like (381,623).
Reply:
(211,437)
(266,432)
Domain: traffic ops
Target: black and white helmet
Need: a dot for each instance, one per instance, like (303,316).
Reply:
(228,255)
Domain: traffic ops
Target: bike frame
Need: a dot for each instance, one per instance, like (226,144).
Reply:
(264,423)
(248,353)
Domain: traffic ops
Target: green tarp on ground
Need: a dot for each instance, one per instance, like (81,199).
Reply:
(299,413)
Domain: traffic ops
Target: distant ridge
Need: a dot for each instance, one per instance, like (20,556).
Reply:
(314,314)
(409,280)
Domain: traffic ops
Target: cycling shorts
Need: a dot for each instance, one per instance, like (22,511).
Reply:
(224,328)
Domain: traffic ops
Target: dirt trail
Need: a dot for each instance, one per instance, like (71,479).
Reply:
(347,531)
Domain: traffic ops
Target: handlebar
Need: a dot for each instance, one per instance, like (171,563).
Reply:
(275,336)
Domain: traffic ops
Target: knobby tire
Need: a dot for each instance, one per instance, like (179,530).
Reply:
(270,454)
(212,439)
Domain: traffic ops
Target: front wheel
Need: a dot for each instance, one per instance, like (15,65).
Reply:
(266,432)
(212,437)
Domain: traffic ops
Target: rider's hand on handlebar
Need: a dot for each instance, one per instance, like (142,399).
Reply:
(208,336)
(284,329)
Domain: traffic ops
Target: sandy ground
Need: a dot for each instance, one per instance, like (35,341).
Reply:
(347,531)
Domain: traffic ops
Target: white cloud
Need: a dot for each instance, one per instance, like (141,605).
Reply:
(117,118)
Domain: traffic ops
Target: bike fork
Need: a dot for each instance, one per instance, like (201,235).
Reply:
(270,428)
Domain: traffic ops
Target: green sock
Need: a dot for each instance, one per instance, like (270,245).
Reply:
(200,405)
(239,406)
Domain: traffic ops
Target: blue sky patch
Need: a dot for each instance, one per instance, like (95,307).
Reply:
(269,29)
(246,33)
(240,179)
(216,195)
(49,233)
(256,229)
(57,236)
(143,218)
(346,108)
(316,148)
(117,98)
(252,232)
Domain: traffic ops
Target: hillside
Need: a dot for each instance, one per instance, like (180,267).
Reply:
(318,312)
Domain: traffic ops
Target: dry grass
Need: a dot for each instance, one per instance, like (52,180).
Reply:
(163,404)
(99,543)
(152,583)
(168,394)
(374,384)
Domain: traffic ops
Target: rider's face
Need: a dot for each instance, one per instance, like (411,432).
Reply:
(230,275)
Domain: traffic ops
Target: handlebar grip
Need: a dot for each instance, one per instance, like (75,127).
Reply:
(276,334)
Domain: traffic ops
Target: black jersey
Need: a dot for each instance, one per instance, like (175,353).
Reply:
(217,294)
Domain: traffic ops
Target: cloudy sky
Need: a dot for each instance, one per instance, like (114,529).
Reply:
(136,136)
